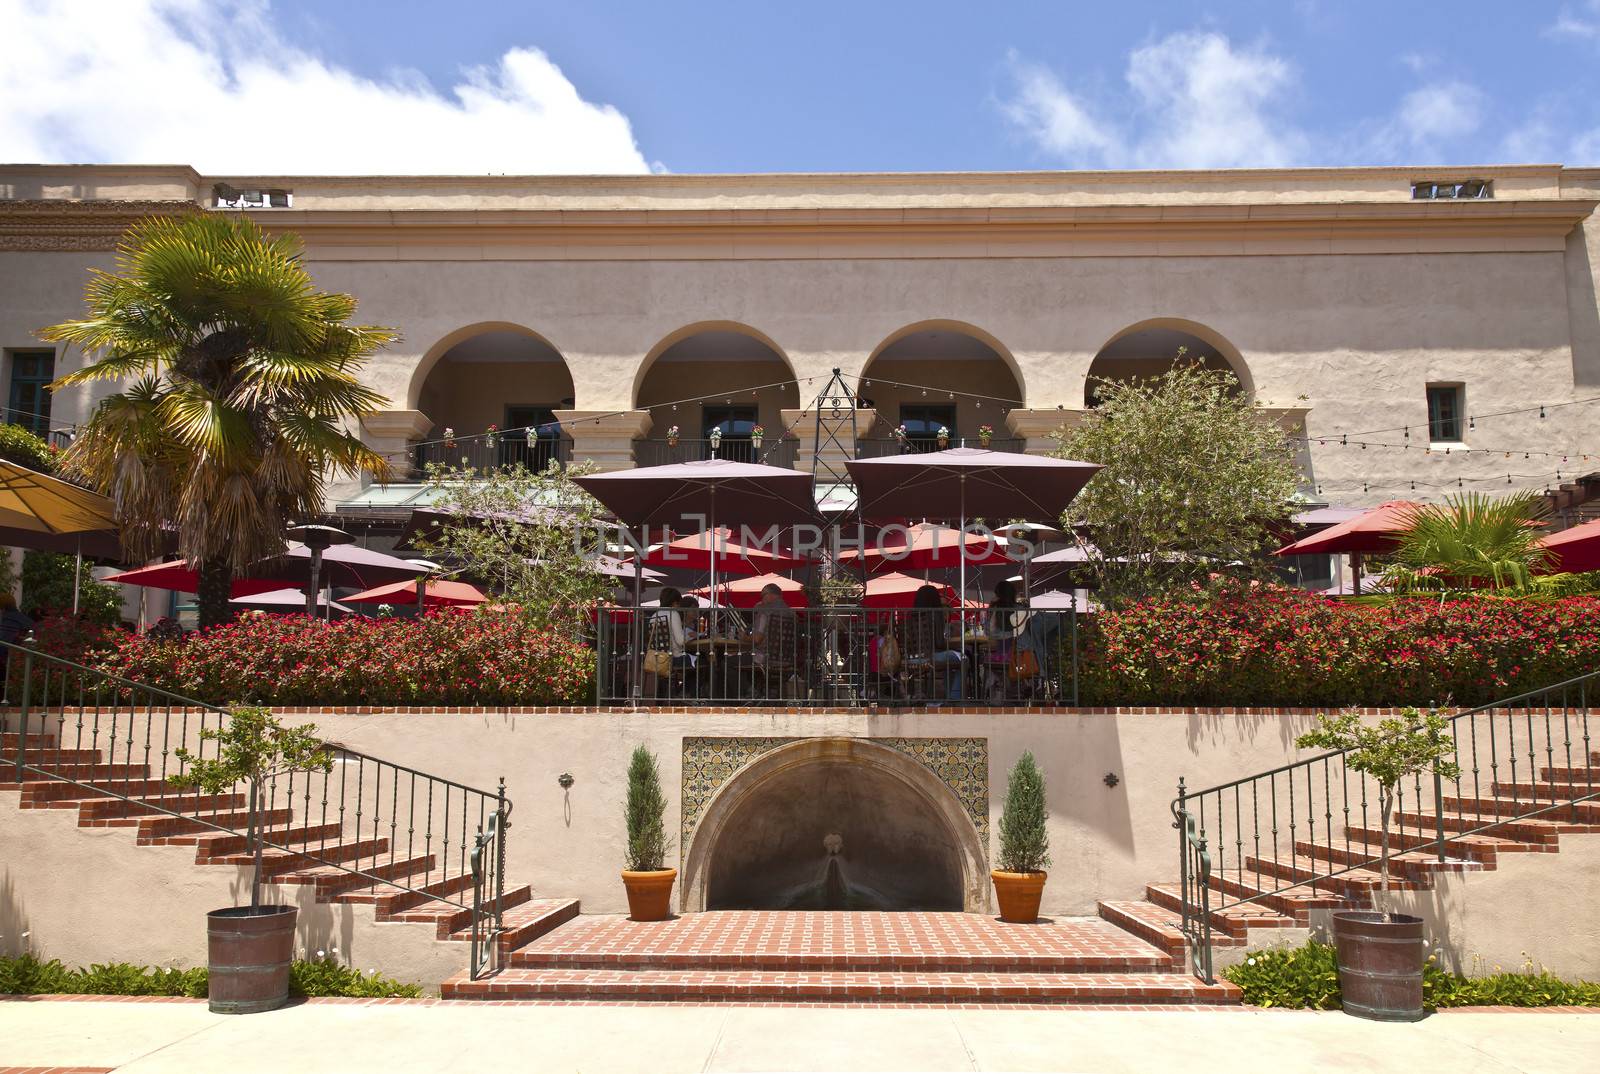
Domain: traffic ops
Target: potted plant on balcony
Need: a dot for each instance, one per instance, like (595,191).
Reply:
(672,437)
(1024,844)
(985,435)
(757,434)
(902,437)
(716,440)
(647,880)
(943,437)
(1380,953)
(490,435)
(250,947)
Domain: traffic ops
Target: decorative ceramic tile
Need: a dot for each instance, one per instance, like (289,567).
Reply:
(962,764)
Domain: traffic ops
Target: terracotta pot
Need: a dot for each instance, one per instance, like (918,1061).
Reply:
(248,956)
(1018,895)
(649,893)
(1380,964)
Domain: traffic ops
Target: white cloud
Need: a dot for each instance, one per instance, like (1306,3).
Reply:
(209,83)
(1196,101)
(1573,23)
(1431,116)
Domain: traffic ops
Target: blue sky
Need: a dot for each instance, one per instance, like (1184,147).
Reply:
(385,85)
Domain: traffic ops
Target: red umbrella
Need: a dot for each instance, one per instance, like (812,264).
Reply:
(695,551)
(746,592)
(931,546)
(1576,549)
(435,594)
(178,576)
(1375,530)
(898,591)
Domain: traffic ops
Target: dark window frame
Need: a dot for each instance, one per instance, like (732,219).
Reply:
(1447,404)
(32,413)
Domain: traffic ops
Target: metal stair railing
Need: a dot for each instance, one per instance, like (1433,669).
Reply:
(1297,829)
(365,822)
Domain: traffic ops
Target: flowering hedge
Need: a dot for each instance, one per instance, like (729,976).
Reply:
(443,658)
(1281,648)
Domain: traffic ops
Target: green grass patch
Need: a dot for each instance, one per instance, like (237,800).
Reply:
(1307,978)
(27,975)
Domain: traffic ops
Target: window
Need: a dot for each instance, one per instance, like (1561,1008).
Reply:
(922,425)
(29,401)
(734,424)
(229,198)
(1445,404)
(532,437)
(1453,190)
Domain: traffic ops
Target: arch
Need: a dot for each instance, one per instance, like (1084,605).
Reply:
(431,357)
(964,328)
(1172,332)
(688,331)
(937,804)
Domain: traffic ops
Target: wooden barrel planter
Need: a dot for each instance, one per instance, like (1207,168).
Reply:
(1380,964)
(249,953)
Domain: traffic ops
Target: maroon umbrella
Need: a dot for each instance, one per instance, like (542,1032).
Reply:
(1576,549)
(960,483)
(342,565)
(695,495)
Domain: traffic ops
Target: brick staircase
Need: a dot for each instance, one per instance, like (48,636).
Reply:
(102,795)
(843,957)
(1157,919)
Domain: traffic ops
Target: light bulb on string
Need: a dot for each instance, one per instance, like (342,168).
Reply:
(1541,410)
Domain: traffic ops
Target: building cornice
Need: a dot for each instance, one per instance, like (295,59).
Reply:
(49,225)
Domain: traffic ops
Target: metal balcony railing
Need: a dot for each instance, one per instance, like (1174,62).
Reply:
(774,451)
(879,447)
(481,454)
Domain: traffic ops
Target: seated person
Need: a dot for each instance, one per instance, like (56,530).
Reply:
(928,638)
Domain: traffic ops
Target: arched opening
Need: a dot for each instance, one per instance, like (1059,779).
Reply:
(835,824)
(1150,349)
(723,386)
(939,375)
(495,374)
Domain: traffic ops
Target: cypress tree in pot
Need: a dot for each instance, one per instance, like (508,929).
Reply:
(1381,952)
(1024,844)
(647,880)
(250,947)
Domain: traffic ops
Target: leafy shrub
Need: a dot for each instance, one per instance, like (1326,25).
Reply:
(47,584)
(1024,842)
(1280,647)
(1307,978)
(646,812)
(22,446)
(77,640)
(443,658)
(27,975)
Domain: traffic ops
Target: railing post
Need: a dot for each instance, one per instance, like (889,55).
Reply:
(1438,805)
(27,696)
(1074,613)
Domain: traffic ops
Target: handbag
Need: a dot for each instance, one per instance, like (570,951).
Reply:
(888,655)
(1023,665)
(658,662)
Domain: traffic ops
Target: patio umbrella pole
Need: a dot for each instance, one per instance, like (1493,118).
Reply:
(713,514)
(311,590)
(961,597)
(77,576)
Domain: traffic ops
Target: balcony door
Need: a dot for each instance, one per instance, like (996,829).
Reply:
(532,438)
(922,424)
(733,424)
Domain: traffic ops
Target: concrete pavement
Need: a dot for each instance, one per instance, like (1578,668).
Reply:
(160,1037)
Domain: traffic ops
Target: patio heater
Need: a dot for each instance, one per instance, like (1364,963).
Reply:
(318,539)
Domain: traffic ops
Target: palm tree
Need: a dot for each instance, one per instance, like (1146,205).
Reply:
(1472,541)
(243,375)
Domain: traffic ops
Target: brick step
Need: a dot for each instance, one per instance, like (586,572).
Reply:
(527,922)
(217,844)
(1524,830)
(34,795)
(389,899)
(1575,812)
(1294,901)
(1479,846)
(11,740)
(1586,774)
(46,757)
(1157,926)
(1313,869)
(186,830)
(869,987)
(275,861)
(1544,792)
(1417,865)
(98,809)
(329,880)
(449,919)
(1236,920)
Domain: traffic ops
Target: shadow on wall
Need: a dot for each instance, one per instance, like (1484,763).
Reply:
(14,930)
(323,930)
(1582,312)
(1105,809)
(1206,731)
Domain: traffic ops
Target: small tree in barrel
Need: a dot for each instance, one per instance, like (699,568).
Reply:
(1389,752)
(646,810)
(252,748)
(1024,842)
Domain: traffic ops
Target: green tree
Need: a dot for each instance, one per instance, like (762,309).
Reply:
(1470,542)
(244,375)
(646,814)
(1197,483)
(24,447)
(47,583)
(1024,841)
(1390,751)
(252,748)
(531,536)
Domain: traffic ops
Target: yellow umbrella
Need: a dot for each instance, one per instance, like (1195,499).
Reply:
(39,503)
